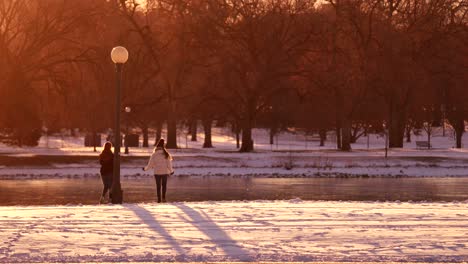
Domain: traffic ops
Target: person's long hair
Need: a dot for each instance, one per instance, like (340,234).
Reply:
(161,145)
(107,150)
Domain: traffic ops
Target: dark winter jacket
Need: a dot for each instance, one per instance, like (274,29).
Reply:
(107,163)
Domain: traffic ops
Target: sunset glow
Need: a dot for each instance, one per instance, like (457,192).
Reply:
(214,131)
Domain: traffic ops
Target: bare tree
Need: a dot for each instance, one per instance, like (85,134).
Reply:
(35,44)
(260,42)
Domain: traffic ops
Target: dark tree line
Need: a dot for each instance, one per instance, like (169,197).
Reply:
(352,66)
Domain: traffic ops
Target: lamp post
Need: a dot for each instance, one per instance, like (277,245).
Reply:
(386,139)
(442,109)
(119,56)
(128,109)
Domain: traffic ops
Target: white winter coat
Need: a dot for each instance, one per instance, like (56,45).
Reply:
(159,163)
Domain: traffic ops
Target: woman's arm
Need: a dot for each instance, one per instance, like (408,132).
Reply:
(150,163)
(169,165)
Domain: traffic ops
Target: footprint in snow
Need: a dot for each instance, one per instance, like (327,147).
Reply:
(21,255)
(117,250)
(213,248)
(321,234)
(453,248)
(264,222)
(438,246)
(34,250)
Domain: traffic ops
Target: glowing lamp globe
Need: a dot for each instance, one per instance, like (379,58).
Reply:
(119,55)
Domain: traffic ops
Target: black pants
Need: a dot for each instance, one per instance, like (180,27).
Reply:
(159,179)
(107,182)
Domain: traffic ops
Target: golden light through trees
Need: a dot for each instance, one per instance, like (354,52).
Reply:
(351,64)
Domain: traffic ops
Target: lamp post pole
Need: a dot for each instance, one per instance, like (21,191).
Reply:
(386,139)
(442,108)
(117,194)
(386,143)
(127,111)
(119,56)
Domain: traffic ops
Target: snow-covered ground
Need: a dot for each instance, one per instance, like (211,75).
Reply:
(263,165)
(290,156)
(279,231)
(224,140)
(276,231)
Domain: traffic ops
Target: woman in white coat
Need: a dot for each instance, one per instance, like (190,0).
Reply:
(161,162)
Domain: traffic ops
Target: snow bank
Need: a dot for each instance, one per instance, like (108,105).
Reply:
(264,165)
(277,231)
(292,156)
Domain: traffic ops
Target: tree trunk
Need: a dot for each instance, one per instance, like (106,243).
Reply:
(354,133)
(238,138)
(158,133)
(346,135)
(429,132)
(459,130)
(323,137)
(207,123)
(338,137)
(236,130)
(193,129)
(247,144)
(459,135)
(339,101)
(408,133)
(171,134)
(171,128)
(145,137)
(94,140)
(396,127)
(272,135)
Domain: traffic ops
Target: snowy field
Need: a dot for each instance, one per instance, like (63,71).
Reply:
(278,231)
(240,231)
(224,141)
(290,156)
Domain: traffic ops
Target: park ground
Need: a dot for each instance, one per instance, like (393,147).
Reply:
(257,231)
(291,155)
(240,231)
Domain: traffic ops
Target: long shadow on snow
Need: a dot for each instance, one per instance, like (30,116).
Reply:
(234,251)
(152,223)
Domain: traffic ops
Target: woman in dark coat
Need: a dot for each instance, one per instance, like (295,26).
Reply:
(106,158)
